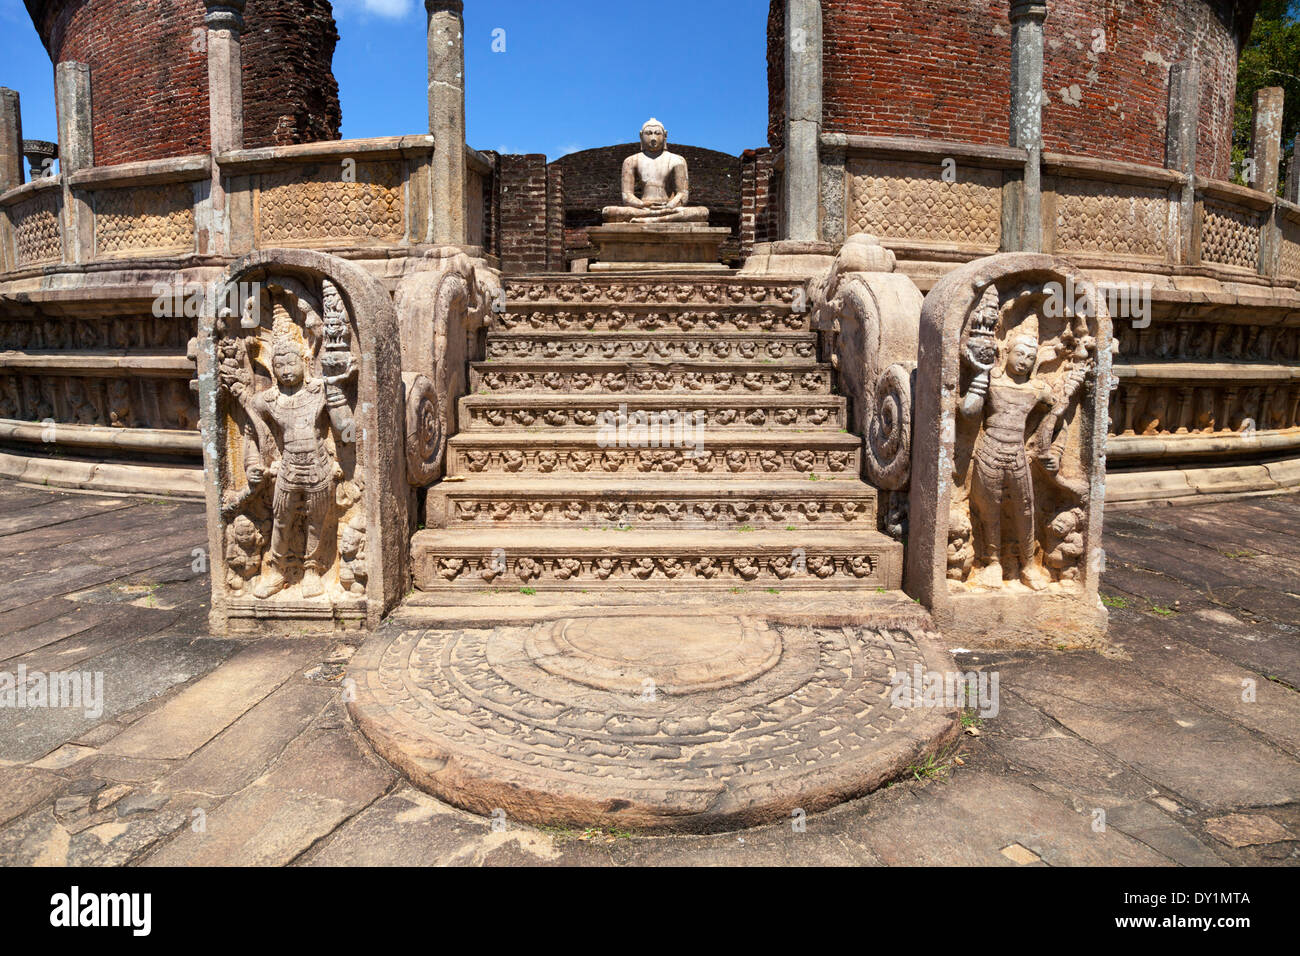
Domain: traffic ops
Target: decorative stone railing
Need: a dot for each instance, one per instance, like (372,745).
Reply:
(952,202)
(332,195)
(32,226)
(349,196)
(139,210)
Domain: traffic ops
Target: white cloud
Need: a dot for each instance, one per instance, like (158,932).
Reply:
(571,148)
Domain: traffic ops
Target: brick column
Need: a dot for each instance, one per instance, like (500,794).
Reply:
(801,189)
(1027,18)
(11,140)
(225,22)
(446,44)
(1180,146)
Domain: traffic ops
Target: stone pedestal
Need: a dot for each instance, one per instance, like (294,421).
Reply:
(789,257)
(658,247)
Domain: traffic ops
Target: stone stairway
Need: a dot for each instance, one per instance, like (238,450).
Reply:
(651,433)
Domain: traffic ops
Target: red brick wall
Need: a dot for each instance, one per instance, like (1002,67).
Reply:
(759,220)
(523,186)
(149,85)
(940,69)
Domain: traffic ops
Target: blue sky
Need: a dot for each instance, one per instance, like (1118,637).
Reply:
(575,73)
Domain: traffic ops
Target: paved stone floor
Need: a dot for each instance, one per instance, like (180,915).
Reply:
(1180,746)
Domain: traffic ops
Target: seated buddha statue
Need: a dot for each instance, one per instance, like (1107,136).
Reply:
(665,186)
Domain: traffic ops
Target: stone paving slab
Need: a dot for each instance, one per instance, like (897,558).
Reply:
(132,674)
(1162,736)
(244,750)
(325,777)
(196,715)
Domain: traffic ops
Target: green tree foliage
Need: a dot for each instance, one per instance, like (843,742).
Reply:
(1271,58)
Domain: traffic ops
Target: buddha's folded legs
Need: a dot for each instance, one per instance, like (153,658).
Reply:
(632,214)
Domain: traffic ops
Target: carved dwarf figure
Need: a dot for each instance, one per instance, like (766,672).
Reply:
(300,410)
(961,552)
(352,554)
(665,184)
(1002,484)
(243,553)
(1065,544)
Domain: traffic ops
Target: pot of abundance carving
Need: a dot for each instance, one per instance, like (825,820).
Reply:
(1012,394)
(301,414)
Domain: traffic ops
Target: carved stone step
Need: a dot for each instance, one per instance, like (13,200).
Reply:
(650,376)
(654,560)
(736,347)
(525,292)
(640,318)
(726,454)
(653,504)
(688,417)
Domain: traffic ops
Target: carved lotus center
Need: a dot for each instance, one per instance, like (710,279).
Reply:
(678,656)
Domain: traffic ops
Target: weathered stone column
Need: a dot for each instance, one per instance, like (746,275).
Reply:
(803,119)
(225,22)
(446,39)
(76,152)
(72,101)
(1027,18)
(11,140)
(1180,146)
(1292,191)
(1266,151)
(1266,143)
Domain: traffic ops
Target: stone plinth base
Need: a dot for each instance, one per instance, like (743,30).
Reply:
(658,247)
(1015,617)
(789,258)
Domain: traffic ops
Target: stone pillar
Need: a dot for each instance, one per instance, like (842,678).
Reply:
(446,38)
(1180,146)
(1266,150)
(1027,18)
(225,22)
(76,132)
(11,140)
(803,119)
(1266,143)
(1292,191)
(76,152)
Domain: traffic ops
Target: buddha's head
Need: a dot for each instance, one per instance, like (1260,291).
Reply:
(653,136)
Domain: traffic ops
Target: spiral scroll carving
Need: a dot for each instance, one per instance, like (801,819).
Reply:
(889,429)
(426,431)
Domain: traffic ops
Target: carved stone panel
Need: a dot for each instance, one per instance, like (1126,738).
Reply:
(898,200)
(358,205)
(1107,218)
(144,219)
(38,233)
(300,397)
(1013,383)
(1230,235)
